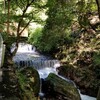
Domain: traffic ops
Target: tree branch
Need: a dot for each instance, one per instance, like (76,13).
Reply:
(25,27)
(19,25)
(21,19)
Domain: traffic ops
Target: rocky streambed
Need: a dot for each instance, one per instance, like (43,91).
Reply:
(22,80)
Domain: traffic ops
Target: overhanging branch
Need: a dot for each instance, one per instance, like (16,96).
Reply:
(25,27)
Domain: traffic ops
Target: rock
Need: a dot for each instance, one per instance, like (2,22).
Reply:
(84,78)
(98,36)
(98,97)
(29,83)
(10,85)
(60,88)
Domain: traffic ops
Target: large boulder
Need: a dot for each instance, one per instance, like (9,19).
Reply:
(29,82)
(60,89)
(84,78)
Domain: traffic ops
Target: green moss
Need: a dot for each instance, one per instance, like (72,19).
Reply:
(96,61)
(11,98)
(64,87)
(29,83)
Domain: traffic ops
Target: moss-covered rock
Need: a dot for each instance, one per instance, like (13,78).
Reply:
(85,78)
(10,86)
(60,88)
(11,98)
(81,60)
(29,83)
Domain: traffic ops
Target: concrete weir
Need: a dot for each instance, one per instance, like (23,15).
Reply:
(2,52)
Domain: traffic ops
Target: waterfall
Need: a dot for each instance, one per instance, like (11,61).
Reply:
(37,63)
(24,47)
(27,56)
(41,94)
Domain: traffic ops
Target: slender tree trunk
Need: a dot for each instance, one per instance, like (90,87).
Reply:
(98,97)
(98,5)
(8,16)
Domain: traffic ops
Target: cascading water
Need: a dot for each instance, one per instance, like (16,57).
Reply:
(27,56)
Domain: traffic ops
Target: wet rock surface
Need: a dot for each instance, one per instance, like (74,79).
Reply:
(29,82)
(56,88)
(84,78)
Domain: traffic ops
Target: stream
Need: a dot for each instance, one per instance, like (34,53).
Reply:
(28,56)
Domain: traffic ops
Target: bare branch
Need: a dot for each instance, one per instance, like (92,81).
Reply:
(25,27)
(21,19)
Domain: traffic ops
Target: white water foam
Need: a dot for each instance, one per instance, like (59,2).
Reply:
(86,97)
(45,72)
(24,48)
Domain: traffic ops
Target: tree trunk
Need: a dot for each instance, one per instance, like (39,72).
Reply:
(98,5)
(98,97)
(8,16)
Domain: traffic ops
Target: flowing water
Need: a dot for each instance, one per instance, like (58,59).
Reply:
(28,56)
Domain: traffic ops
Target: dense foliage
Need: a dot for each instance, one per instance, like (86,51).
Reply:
(71,33)
(65,18)
(57,25)
(35,37)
